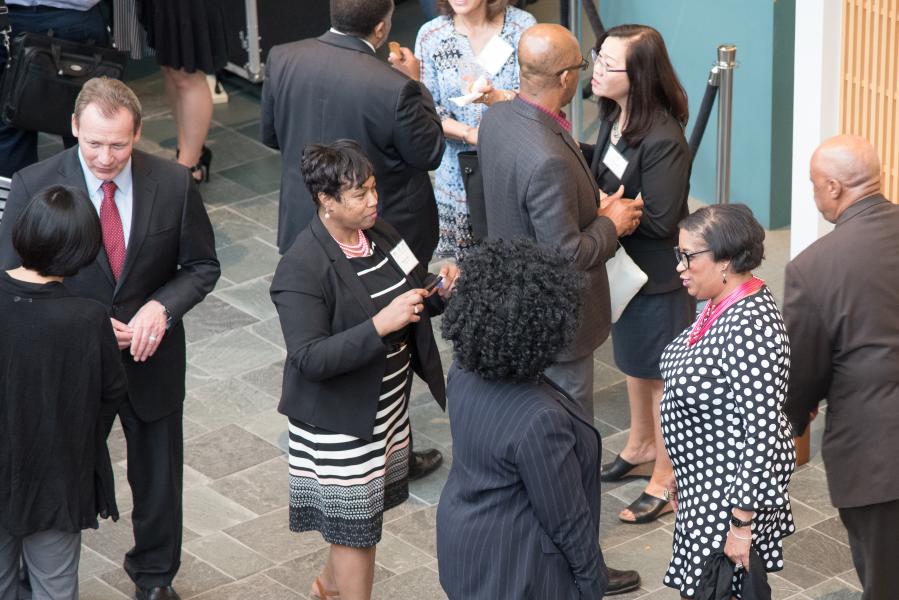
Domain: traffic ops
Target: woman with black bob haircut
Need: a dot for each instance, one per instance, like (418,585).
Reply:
(61,383)
(356,319)
(641,147)
(57,234)
(519,515)
(722,420)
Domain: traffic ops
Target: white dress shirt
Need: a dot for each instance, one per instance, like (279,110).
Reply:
(367,43)
(124,199)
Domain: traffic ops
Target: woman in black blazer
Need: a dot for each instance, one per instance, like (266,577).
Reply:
(641,146)
(355,313)
(61,383)
(519,514)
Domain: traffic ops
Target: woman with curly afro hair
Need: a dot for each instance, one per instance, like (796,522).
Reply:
(519,515)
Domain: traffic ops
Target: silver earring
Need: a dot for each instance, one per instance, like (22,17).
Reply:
(327,215)
(724,276)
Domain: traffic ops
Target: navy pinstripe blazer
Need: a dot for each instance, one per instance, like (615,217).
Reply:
(519,515)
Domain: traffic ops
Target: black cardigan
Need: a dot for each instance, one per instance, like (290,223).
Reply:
(659,168)
(61,383)
(335,357)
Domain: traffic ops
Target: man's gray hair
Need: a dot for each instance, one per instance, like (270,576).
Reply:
(109,95)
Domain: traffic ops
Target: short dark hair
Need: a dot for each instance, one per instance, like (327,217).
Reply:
(494,7)
(332,168)
(653,83)
(359,17)
(731,233)
(58,233)
(515,307)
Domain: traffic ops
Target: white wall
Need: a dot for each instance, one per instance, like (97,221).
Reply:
(816,106)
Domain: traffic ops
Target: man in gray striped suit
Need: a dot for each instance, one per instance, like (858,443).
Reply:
(538,185)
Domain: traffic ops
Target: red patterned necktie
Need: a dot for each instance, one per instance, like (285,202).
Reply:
(111,222)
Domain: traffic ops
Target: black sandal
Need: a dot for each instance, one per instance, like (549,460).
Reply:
(619,469)
(647,508)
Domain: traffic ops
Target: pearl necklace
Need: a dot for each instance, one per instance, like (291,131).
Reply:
(359,249)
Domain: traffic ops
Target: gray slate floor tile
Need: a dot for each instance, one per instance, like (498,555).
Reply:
(233,352)
(228,555)
(227,450)
(262,489)
(212,317)
(257,587)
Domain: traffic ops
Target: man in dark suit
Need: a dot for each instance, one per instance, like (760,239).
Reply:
(840,309)
(320,90)
(333,87)
(157,262)
(538,185)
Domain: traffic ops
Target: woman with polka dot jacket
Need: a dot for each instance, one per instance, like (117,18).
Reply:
(722,420)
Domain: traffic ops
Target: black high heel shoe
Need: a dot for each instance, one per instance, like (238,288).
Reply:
(620,469)
(202,167)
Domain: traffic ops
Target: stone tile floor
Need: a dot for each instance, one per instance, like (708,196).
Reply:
(236,541)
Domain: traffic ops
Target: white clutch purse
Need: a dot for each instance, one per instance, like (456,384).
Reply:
(625,280)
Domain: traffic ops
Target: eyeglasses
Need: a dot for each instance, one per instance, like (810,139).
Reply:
(582,67)
(683,258)
(594,54)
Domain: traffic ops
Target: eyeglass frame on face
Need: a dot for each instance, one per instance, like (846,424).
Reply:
(582,67)
(683,258)
(594,54)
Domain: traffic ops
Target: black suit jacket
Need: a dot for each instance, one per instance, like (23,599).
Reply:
(170,258)
(841,309)
(321,90)
(659,168)
(537,185)
(335,357)
(519,514)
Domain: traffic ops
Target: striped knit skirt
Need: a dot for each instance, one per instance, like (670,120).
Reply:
(341,485)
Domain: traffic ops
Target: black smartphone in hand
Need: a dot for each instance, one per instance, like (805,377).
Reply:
(433,284)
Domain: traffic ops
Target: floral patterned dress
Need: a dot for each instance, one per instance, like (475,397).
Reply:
(445,54)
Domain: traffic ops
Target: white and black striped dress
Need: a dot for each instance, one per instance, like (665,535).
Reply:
(341,485)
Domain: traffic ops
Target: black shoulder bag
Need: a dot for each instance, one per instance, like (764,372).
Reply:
(44,75)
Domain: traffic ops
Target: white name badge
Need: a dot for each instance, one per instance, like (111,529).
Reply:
(616,163)
(494,55)
(404,257)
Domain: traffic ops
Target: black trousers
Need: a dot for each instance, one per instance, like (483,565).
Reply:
(155,473)
(874,541)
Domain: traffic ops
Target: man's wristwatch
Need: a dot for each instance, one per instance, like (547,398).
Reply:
(738,523)
(168,316)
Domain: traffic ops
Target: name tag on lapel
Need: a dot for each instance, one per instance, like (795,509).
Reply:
(495,54)
(616,163)
(403,257)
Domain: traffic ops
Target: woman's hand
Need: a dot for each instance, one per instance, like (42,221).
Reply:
(404,61)
(405,308)
(450,273)
(736,548)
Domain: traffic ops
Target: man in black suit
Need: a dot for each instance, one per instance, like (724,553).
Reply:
(157,262)
(840,308)
(320,90)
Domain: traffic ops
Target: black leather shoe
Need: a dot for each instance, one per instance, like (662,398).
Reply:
(621,582)
(424,463)
(157,593)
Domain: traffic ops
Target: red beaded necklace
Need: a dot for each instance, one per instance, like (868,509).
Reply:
(710,312)
(360,248)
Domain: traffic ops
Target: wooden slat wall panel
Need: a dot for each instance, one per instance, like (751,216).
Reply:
(869,104)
